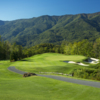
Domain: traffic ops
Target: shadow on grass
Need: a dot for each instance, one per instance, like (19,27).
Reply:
(57,69)
(23,60)
(27,60)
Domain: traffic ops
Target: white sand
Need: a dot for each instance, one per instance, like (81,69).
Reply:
(82,64)
(90,60)
(93,60)
(76,63)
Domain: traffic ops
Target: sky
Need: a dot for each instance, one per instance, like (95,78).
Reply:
(25,9)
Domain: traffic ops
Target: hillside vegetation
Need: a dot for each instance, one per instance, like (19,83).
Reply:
(51,29)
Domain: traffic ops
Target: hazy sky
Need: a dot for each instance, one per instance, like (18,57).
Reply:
(18,9)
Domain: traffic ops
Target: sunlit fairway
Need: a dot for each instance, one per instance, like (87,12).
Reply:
(61,57)
(14,87)
(49,62)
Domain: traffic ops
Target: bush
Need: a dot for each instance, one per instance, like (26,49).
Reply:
(28,74)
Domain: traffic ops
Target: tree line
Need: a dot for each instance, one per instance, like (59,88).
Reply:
(84,47)
(17,52)
(10,51)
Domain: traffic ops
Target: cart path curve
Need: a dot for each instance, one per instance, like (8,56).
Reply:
(82,82)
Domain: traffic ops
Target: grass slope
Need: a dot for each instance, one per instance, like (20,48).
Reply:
(14,87)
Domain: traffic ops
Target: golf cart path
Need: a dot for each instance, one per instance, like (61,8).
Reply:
(82,82)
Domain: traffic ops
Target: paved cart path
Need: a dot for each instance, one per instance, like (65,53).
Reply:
(82,82)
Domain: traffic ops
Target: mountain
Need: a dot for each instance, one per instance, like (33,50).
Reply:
(51,29)
(2,22)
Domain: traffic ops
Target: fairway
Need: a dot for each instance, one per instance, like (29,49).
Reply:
(61,57)
(14,87)
(49,62)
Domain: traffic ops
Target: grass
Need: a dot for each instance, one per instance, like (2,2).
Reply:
(49,62)
(14,87)
(60,57)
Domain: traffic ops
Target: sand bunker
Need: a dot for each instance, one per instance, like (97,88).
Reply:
(93,60)
(70,62)
(82,64)
(76,63)
(90,60)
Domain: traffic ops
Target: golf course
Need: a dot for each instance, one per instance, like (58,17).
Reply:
(14,86)
(48,62)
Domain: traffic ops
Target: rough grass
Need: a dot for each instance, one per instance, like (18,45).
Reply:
(14,87)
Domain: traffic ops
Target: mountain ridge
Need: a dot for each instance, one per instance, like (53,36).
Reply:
(51,29)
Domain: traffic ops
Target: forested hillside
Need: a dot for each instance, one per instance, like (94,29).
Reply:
(51,29)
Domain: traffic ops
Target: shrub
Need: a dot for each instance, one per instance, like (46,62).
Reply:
(28,74)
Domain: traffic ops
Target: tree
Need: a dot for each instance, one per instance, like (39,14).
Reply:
(96,48)
(13,56)
(20,54)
